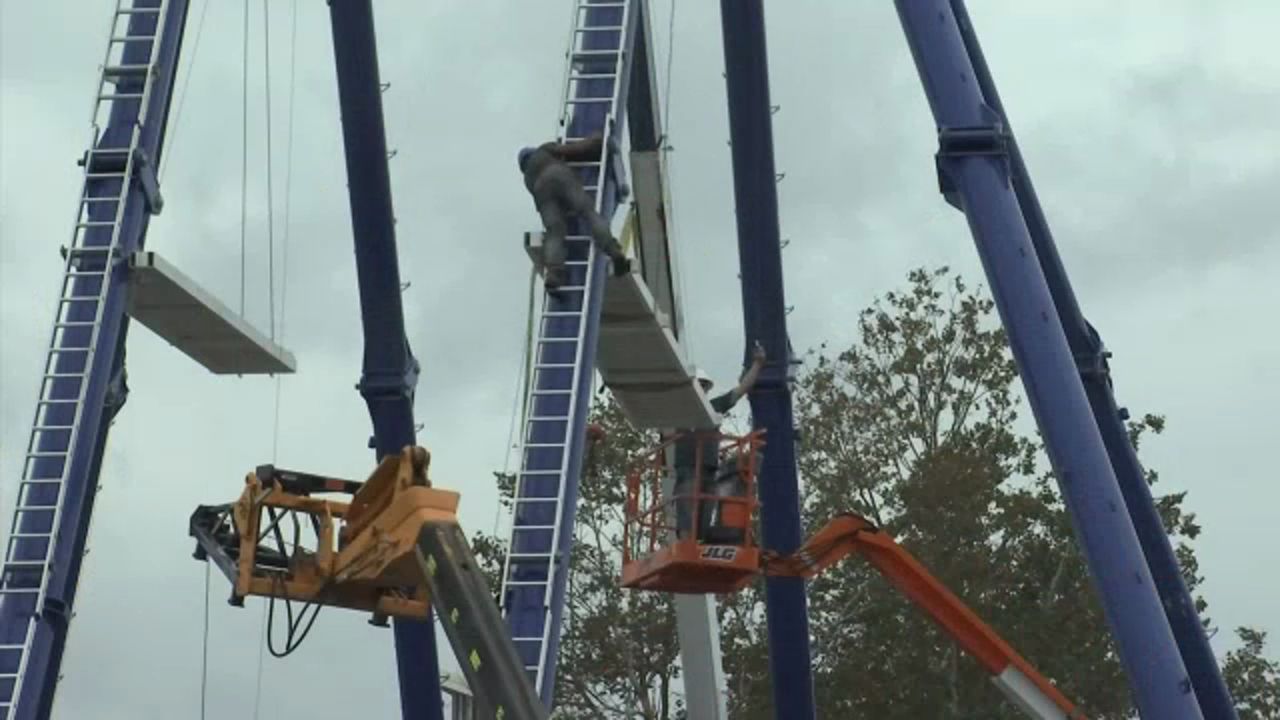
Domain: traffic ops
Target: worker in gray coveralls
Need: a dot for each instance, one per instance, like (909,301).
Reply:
(686,451)
(558,193)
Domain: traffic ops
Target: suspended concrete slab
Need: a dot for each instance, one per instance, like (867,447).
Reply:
(195,322)
(641,363)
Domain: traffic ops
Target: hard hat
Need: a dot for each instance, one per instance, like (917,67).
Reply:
(523,156)
(702,377)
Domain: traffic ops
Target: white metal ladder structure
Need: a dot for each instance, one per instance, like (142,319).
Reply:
(536,573)
(91,257)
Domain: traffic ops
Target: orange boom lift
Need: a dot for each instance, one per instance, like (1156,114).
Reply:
(703,541)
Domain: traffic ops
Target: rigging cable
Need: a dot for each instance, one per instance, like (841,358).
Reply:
(284,275)
(523,379)
(164,163)
(186,83)
(244,183)
(271,246)
(244,149)
(204,664)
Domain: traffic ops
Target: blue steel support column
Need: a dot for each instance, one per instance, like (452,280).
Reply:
(390,371)
(975,174)
(105,389)
(1091,358)
(764,318)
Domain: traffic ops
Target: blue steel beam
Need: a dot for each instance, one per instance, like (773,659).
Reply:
(102,368)
(975,175)
(765,320)
(390,372)
(1091,358)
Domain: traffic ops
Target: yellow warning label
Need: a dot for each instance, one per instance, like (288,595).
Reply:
(431,564)
(453,616)
(475,660)
(628,234)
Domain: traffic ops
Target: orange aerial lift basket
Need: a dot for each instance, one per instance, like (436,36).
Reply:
(688,531)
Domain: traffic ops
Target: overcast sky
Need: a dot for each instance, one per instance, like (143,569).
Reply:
(1149,128)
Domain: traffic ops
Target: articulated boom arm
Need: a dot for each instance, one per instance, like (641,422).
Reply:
(395,550)
(850,533)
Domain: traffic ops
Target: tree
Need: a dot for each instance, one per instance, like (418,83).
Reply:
(1253,679)
(916,425)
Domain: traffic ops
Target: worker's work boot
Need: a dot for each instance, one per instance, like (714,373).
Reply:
(621,265)
(554,277)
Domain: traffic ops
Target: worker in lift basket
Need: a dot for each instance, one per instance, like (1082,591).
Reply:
(558,193)
(714,480)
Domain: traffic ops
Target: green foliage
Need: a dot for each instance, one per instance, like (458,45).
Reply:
(1253,679)
(916,425)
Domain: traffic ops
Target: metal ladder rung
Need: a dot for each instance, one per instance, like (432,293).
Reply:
(549,418)
(80,298)
(564,313)
(65,350)
(105,176)
(528,639)
(35,508)
(19,591)
(599,6)
(124,71)
(524,583)
(544,445)
(530,556)
(72,324)
(556,340)
(29,536)
(116,39)
(533,527)
(25,563)
(12,647)
(99,198)
(137,11)
(589,101)
(554,366)
(587,55)
(96,223)
(85,273)
(592,76)
(45,453)
(58,401)
(598,28)
(547,392)
(52,428)
(120,96)
(88,250)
